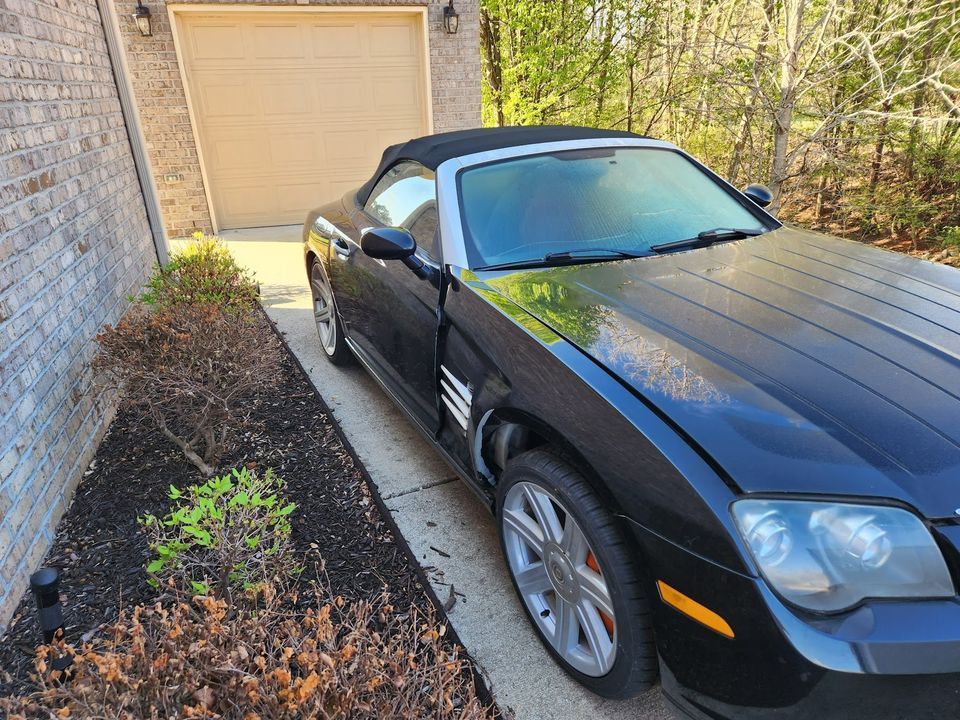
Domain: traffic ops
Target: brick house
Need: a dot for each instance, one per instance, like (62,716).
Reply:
(227,115)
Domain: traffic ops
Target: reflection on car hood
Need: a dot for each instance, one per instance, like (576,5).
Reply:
(799,362)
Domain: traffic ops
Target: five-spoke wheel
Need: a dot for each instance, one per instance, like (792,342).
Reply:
(575,575)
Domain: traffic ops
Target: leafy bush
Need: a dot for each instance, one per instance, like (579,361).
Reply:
(194,371)
(232,532)
(203,272)
(950,237)
(202,658)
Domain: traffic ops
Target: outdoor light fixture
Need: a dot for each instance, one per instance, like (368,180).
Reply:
(451,20)
(142,17)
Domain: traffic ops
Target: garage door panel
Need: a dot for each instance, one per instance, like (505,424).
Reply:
(393,92)
(275,41)
(291,100)
(296,198)
(223,98)
(293,110)
(392,40)
(295,150)
(346,95)
(392,135)
(234,154)
(336,41)
(216,41)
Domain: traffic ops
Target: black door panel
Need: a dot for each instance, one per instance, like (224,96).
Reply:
(389,313)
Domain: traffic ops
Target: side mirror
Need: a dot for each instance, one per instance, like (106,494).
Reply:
(760,194)
(388,243)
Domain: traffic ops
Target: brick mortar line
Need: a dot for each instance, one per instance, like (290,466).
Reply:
(65,346)
(39,249)
(52,212)
(93,440)
(58,10)
(18,154)
(49,287)
(63,349)
(94,406)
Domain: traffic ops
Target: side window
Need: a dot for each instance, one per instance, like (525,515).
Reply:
(406,197)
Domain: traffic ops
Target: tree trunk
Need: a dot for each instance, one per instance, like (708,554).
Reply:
(878,148)
(490,44)
(783,112)
(750,108)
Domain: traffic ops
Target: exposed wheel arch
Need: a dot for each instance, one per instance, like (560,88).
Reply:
(308,259)
(504,433)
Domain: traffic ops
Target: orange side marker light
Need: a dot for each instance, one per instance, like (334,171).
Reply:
(692,609)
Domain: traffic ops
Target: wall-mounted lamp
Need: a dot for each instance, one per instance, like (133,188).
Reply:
(141,16)
(451,20)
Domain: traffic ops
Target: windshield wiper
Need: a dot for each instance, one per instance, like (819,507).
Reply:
(592,254)
(566,257)
(707,237)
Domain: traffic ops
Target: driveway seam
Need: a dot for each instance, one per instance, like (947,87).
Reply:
(425,486)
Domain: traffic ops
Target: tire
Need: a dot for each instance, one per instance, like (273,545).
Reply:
(613,656)
(326,317)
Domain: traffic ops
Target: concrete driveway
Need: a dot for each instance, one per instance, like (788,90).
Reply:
(450,531)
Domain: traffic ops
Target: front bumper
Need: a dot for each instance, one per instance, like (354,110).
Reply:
(882,661)
(837,695)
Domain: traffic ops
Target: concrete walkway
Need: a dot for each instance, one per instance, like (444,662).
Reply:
(434,511)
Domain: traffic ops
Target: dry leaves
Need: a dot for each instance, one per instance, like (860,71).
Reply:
(200,658)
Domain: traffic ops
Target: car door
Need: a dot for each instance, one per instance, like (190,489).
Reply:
(389,313)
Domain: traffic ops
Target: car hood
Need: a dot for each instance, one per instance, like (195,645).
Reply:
(799,362)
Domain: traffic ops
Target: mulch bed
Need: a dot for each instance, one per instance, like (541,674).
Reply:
(339,525)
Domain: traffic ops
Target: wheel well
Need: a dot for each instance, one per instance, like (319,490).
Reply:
(308,260)
(504,434)
(515,433)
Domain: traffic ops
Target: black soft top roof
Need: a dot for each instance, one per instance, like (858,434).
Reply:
(431,150)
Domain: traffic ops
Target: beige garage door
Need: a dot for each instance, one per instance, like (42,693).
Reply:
(292,109)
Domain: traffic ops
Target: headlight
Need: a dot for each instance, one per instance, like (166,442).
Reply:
(828,556)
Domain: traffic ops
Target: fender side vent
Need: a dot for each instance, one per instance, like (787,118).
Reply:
(456,396)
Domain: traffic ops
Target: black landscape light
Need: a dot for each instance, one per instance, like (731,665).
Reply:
(451,20)
(45,584)
(141,15)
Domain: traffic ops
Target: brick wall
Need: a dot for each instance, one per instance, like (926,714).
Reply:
(155,74)
(74,242)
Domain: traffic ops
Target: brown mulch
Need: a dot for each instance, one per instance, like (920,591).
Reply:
(339,525)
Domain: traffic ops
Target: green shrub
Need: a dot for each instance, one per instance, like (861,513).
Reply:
(950,237)
(230,533)
(203,272)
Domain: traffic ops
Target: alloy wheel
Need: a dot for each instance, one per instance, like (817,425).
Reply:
(324,313)
(558,577)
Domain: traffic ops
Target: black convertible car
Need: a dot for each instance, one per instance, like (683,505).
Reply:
(721,452)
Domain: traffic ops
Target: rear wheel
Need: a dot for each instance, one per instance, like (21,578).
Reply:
(575,575)
(329,328)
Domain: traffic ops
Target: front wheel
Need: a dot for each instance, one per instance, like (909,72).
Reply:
(576,577)
(329,327)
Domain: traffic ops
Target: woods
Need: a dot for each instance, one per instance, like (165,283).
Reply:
(848,109)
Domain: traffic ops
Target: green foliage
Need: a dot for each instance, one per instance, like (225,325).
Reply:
(203,272)
(229,533)
(850,116)
(950,237)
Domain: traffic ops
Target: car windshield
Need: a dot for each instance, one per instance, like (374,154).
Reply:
(601,199)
